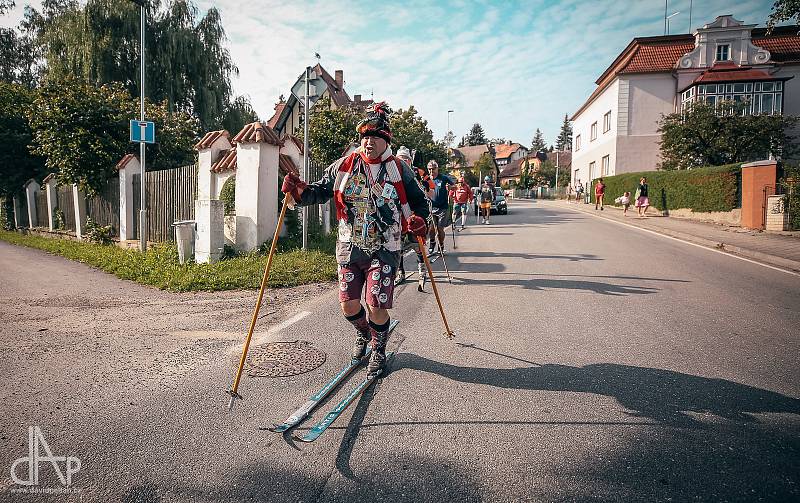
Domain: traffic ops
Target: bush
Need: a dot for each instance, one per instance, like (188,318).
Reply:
(228,195)
(715,188)
(100,234)
(790,183)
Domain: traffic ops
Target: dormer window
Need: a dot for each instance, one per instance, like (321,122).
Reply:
(723,52)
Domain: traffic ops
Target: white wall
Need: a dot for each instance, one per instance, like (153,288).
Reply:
(605,144)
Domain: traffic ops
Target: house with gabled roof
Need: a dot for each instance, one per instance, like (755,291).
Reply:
(464,159)
(616,130)
(286,118)
(505,153)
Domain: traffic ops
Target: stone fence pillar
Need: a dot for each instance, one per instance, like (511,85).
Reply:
(79,206)
(756,177)
(777,216)
(127,167)
(52,199)
(31,189)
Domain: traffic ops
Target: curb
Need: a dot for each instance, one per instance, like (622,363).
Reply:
(766,258)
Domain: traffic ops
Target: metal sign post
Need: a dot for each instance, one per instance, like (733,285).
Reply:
(142,180)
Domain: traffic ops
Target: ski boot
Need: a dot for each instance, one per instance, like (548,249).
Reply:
(377,358)
(360,346)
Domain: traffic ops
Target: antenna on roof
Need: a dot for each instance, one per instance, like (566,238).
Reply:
(690,16)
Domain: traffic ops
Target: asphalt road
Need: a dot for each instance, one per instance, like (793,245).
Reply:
(592,362)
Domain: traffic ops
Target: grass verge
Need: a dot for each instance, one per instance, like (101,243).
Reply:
(159,266)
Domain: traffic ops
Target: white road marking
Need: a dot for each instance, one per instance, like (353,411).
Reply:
(727,254)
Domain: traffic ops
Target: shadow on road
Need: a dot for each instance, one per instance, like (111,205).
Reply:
(664,396)
(562,284)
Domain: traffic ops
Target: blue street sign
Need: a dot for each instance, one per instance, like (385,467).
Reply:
(143,131)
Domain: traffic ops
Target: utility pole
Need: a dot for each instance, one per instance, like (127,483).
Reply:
(142,180)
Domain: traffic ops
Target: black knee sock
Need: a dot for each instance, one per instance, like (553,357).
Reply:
(359,320)
(380,334)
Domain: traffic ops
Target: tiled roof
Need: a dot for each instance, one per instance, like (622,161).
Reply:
(732,73)
(125,160)
(209,138)
(297,141)
(257,132)
(338,95)
(657,57)
(504,150)
(471,154)
(514,168)
(227,161)
(286,165)
(273,121)
(783,49)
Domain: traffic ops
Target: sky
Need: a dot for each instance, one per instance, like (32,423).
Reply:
(513,67)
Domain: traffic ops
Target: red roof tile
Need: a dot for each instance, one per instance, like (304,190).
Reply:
(125,160)
(273,121)
(257,132)
(720,73)
(226,162)
(656,57)
(286,165)
(209,138)
(783,49)
(504,150)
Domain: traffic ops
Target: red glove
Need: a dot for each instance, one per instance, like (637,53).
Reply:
(293,185)
(417,226)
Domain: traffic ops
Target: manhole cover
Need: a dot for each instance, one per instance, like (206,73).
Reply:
(283,359)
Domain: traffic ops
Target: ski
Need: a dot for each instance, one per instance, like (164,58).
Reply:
(319,428)
(300,414)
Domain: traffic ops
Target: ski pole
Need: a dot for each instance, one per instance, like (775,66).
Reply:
(453,230)
(448,333)
(233,392)
(444,262)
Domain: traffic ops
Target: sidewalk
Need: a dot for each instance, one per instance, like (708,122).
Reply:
(774,249)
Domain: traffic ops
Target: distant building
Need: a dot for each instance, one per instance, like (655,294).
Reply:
(287,115)
(616,130)
(464,159)
(504,153)
(513,170)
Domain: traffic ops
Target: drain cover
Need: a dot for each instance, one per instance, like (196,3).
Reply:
(283,359)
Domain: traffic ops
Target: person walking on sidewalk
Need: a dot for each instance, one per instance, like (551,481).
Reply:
(462,196)
(487,198)
(377,199)
(578,191)
(425,183)
(599,193)
(440,205)
(642,200)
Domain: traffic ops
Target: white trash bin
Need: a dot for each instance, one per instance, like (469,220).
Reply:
(184,237)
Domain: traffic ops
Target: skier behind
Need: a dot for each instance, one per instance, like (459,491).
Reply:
(377,199)
(462,196)
(410,242)
(487,197)
(440,204)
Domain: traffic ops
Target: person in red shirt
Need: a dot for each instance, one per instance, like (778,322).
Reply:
(462,195)
(599,192)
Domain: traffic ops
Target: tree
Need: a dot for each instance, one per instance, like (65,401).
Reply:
(448,139)
(17,162)
(187,63)
(497,141)
(411,130)
(546,174)
(484,166)
(783,10)
(331,131)
(16,53)
(564,140)
(708,135)
(239,113)
(537,143)
(525,175)
(476,136)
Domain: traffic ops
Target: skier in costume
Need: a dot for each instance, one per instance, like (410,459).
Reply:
(410,242)
(377,200)
(462,195)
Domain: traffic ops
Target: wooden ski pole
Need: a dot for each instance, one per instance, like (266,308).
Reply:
(448,333)
(233,392)
(444,262)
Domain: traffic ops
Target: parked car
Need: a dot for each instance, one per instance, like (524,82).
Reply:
(499,205)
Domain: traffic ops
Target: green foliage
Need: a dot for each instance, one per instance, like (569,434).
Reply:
(708,135)
(476,136)
(83,130)
(97,42)
(331,131)
(790,182)
(238,113)
(564,140)
(58,219)
(484,166)
(525,178)
(546,175)
(228,195)
(538,143)
(702,189)
(159,266)
(783,10)
(411,130)
(99,234)
(17,163)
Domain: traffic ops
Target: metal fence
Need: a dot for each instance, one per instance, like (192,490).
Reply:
(42,215)
(103,208)
(169,195)
(65,203)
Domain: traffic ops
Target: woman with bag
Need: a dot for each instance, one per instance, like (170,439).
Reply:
(642,201)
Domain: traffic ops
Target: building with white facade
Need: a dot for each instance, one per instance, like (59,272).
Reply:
(616,130)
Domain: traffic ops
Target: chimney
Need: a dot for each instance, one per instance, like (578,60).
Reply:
(339,79)
(357,98)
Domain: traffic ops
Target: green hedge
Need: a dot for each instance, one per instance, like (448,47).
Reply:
(716,188)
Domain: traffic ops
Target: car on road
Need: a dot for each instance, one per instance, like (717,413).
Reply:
(499,205)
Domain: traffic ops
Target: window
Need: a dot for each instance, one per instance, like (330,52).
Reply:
(604,165)
(593,132)
(723,52)
(591,170)
(607,122)
(755,97)
(577,143)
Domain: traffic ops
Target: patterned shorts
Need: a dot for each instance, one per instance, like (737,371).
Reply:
(378,277)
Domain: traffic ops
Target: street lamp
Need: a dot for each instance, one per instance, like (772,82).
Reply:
(143,202)
(448,125)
